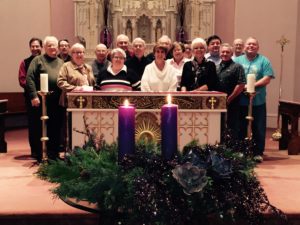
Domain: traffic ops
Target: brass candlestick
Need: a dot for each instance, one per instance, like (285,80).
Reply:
(249,117)
(44,118)
(283,41)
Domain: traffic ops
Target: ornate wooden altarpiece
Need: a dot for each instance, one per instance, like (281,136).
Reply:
(199,115)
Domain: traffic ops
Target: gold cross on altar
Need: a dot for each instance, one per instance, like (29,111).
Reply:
(212,102)
(81,100)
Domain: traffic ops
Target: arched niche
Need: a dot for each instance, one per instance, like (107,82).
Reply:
(144,28)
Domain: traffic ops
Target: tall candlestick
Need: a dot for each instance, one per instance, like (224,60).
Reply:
(126,141)
(44,82)
(169,130)
(251,78)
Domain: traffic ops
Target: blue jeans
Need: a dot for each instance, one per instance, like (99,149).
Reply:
(259,125)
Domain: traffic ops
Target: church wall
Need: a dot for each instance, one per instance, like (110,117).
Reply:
(268,20)
(297,60)
(224,22)
(62,19)
(19,21)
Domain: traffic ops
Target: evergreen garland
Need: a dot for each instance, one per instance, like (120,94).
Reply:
(203,183)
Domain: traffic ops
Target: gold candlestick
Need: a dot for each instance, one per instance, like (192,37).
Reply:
(44,118)
(249,117)
(283,41)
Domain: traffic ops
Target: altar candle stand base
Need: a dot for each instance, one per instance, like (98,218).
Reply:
(44,119)
(249,117)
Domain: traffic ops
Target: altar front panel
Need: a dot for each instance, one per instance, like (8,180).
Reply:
(198,115)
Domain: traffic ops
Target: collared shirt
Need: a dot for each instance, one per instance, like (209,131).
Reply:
(230,74)
(216,59)
(261,67)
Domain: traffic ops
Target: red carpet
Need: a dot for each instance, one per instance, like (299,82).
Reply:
(25,199)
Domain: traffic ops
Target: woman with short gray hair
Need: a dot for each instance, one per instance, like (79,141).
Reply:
(117,77)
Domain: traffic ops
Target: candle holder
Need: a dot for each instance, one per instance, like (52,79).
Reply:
(283,41)
(44,118)
(249,117)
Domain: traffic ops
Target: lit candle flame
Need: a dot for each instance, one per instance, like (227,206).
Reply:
(169,99)
(126,102)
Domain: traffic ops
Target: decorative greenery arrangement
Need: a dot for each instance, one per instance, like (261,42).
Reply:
(202,184)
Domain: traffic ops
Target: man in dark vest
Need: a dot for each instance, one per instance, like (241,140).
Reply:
(35,45)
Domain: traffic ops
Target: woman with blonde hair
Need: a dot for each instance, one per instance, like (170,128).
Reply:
(199,74)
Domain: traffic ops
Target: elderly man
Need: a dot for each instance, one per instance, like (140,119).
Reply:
(64,47)
(238,47)
(213,46)
(166,42)
(231,81)
(47,63)
(122,42)
(255,63)
(101,62)
(138,62)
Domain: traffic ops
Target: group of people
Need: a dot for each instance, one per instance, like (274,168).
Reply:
(202,65)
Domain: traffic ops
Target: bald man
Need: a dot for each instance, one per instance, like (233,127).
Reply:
(238,48)
(122,42)
(101,62)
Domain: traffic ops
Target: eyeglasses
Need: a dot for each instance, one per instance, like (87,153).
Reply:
(196,48)
(118,57)
(78,53)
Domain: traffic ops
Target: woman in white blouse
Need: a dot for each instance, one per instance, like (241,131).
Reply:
(159,75)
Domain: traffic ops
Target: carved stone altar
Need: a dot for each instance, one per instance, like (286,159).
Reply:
(148,19)
(198,118)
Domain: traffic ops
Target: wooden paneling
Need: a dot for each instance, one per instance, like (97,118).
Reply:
(290,114)
(16,102)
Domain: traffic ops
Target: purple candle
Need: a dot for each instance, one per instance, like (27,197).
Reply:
(169,130)
(126,130)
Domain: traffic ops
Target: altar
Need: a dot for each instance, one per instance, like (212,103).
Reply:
(199,115)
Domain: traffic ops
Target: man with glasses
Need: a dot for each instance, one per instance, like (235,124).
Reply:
(64,47)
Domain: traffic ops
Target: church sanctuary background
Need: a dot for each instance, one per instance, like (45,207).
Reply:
(267,20)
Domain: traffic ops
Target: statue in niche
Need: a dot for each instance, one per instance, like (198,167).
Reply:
(129,30)
(144,28)
(158,30)
(105,35)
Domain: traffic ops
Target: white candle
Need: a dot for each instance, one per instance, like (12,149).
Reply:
(251,78)
(44,82)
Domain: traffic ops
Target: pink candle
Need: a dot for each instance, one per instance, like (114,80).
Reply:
(126,130)
(169,130)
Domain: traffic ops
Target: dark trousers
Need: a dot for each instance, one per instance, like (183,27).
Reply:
(54,126)
(232,121)
(259,124)
(34,128)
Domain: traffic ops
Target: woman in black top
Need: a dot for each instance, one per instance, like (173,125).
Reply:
(199,74)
